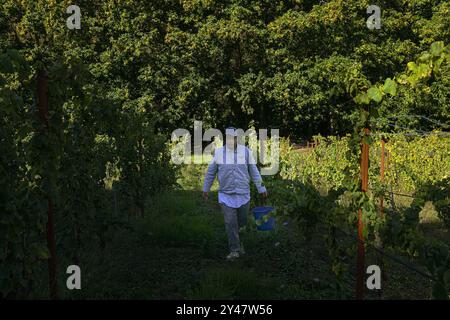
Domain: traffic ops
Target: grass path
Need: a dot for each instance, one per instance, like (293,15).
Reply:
(177,251)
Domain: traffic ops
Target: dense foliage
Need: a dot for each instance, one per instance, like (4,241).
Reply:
(410,162)
(289,65)
(138,69)
(312,190)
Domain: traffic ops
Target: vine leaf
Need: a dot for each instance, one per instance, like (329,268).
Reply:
(412,66)
(362,98)
(437,48)
(375,94)
(390,86)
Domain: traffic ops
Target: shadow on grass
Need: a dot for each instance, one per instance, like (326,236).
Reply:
(178,251)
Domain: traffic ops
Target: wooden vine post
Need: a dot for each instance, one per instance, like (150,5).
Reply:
(42,91)
(360,261)
(382,166)
(378,240)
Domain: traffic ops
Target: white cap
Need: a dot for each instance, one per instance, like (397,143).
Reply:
(231,131)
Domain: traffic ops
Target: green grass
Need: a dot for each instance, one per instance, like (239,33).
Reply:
(177,251)
(232,282)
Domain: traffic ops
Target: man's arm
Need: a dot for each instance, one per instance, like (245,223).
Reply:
(209,177)
(255,175)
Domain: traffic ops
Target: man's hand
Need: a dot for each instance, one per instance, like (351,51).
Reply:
(263,196)
(205,196)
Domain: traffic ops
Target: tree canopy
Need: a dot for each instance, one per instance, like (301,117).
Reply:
(291,65)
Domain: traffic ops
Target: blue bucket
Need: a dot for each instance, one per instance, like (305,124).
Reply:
(259,213)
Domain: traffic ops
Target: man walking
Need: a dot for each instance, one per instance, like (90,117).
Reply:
(234,166)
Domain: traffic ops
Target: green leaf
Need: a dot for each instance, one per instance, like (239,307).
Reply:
(375,94)
(425,57)
(437,48)
(411,66)
(368,140)
(423,70)
(437,65)
(362,98)
(390,86)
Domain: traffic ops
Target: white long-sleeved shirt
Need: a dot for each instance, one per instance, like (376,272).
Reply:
(234,200)
(234,168)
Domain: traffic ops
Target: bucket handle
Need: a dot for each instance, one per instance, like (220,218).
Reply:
(263,200)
